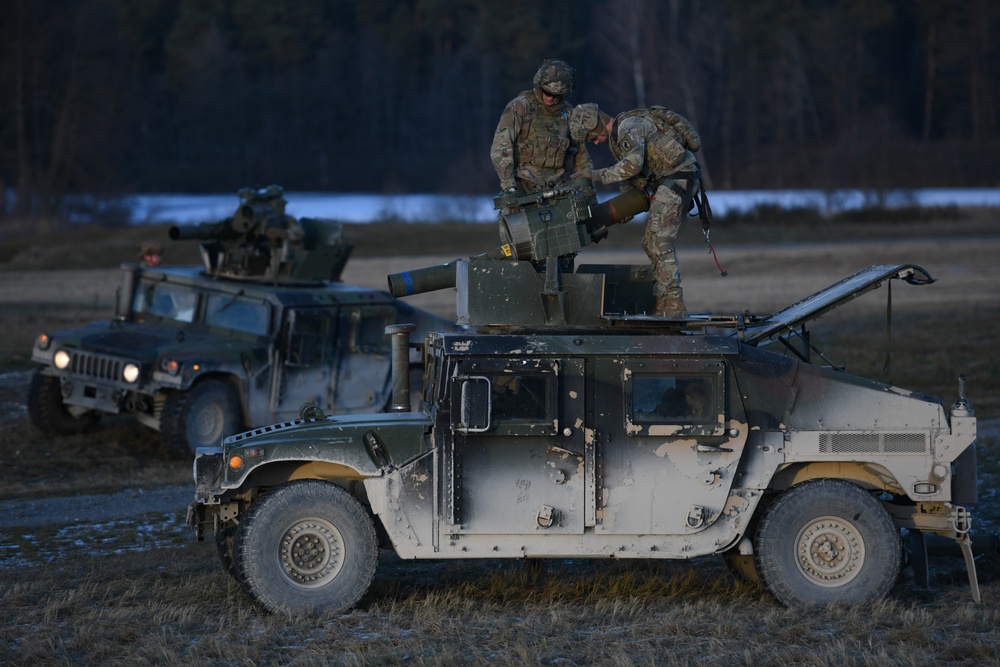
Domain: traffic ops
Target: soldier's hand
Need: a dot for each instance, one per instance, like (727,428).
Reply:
(588,172)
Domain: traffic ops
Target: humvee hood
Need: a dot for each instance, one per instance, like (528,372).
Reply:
(368,444)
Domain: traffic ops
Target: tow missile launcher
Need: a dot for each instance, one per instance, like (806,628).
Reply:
(570,424)
(260,242)
(541,235)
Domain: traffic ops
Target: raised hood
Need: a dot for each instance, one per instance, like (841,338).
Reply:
(763,329)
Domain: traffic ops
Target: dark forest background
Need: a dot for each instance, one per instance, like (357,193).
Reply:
(108,97)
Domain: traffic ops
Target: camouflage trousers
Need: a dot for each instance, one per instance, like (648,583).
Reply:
(666,214)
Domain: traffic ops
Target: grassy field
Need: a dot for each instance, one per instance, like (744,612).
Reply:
(98,601)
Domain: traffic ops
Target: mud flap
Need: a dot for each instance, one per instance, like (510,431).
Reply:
(918,558)
(965,543)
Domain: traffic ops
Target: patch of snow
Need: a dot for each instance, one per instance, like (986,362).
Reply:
(368,207)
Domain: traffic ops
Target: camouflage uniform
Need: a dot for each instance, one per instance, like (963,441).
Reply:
(532,145)
(654,150)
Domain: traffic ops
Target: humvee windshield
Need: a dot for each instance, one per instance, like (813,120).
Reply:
(174,302)
(166,301)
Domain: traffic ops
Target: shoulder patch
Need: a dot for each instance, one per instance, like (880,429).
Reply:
(626,143)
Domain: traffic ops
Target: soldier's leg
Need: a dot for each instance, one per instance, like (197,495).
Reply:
(659,243)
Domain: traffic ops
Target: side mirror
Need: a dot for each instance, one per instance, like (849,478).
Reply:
(474,404)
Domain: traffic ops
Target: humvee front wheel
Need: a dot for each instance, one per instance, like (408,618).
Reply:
(827,541)
(307,548)
(48,413)
(200,417)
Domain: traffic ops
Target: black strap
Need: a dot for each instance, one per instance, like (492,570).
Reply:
(688,195)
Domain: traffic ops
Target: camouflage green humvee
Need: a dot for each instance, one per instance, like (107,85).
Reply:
(197,353)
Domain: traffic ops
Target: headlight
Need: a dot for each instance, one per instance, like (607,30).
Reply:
(43,341)
(61,360)
(130,373)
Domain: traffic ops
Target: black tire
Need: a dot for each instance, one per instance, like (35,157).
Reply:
(47,412)
(827,541)
(307,548)
(200,417)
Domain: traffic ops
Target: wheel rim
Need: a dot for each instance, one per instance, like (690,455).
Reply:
(209,424)
(311,552)
(830,552)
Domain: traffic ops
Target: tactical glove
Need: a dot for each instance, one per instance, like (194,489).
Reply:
(589,172)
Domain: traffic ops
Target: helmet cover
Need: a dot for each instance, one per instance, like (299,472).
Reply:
(583,120)
(554,77)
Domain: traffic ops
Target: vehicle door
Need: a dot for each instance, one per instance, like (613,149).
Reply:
(670,433)
(307,360)
(517,464)
(362,382)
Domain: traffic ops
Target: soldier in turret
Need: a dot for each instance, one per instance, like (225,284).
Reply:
(655,152)
(150,254)
(532,148)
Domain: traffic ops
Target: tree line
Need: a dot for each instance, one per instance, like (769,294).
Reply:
(107,97)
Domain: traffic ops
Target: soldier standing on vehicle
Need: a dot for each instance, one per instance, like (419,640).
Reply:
(655,152)
(532,147)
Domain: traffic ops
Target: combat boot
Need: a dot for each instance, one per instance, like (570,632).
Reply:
(671,307)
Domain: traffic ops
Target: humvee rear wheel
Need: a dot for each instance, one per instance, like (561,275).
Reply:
(200,417)
(307,548)
(827,541)
(47,412)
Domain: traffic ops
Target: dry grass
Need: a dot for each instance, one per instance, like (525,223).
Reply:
(176,607)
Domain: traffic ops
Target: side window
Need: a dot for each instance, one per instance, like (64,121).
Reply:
(310,338)
(522,398)
(673,400)
(364,328)
(679,398)
(229,312)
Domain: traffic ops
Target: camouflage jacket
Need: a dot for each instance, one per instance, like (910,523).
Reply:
(649,147)
(532,144)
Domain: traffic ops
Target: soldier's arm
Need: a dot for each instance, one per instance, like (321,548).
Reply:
(582,159)
(633,145)
(504,140)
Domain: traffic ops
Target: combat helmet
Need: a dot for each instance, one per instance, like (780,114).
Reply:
(585,120)
(554,77)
